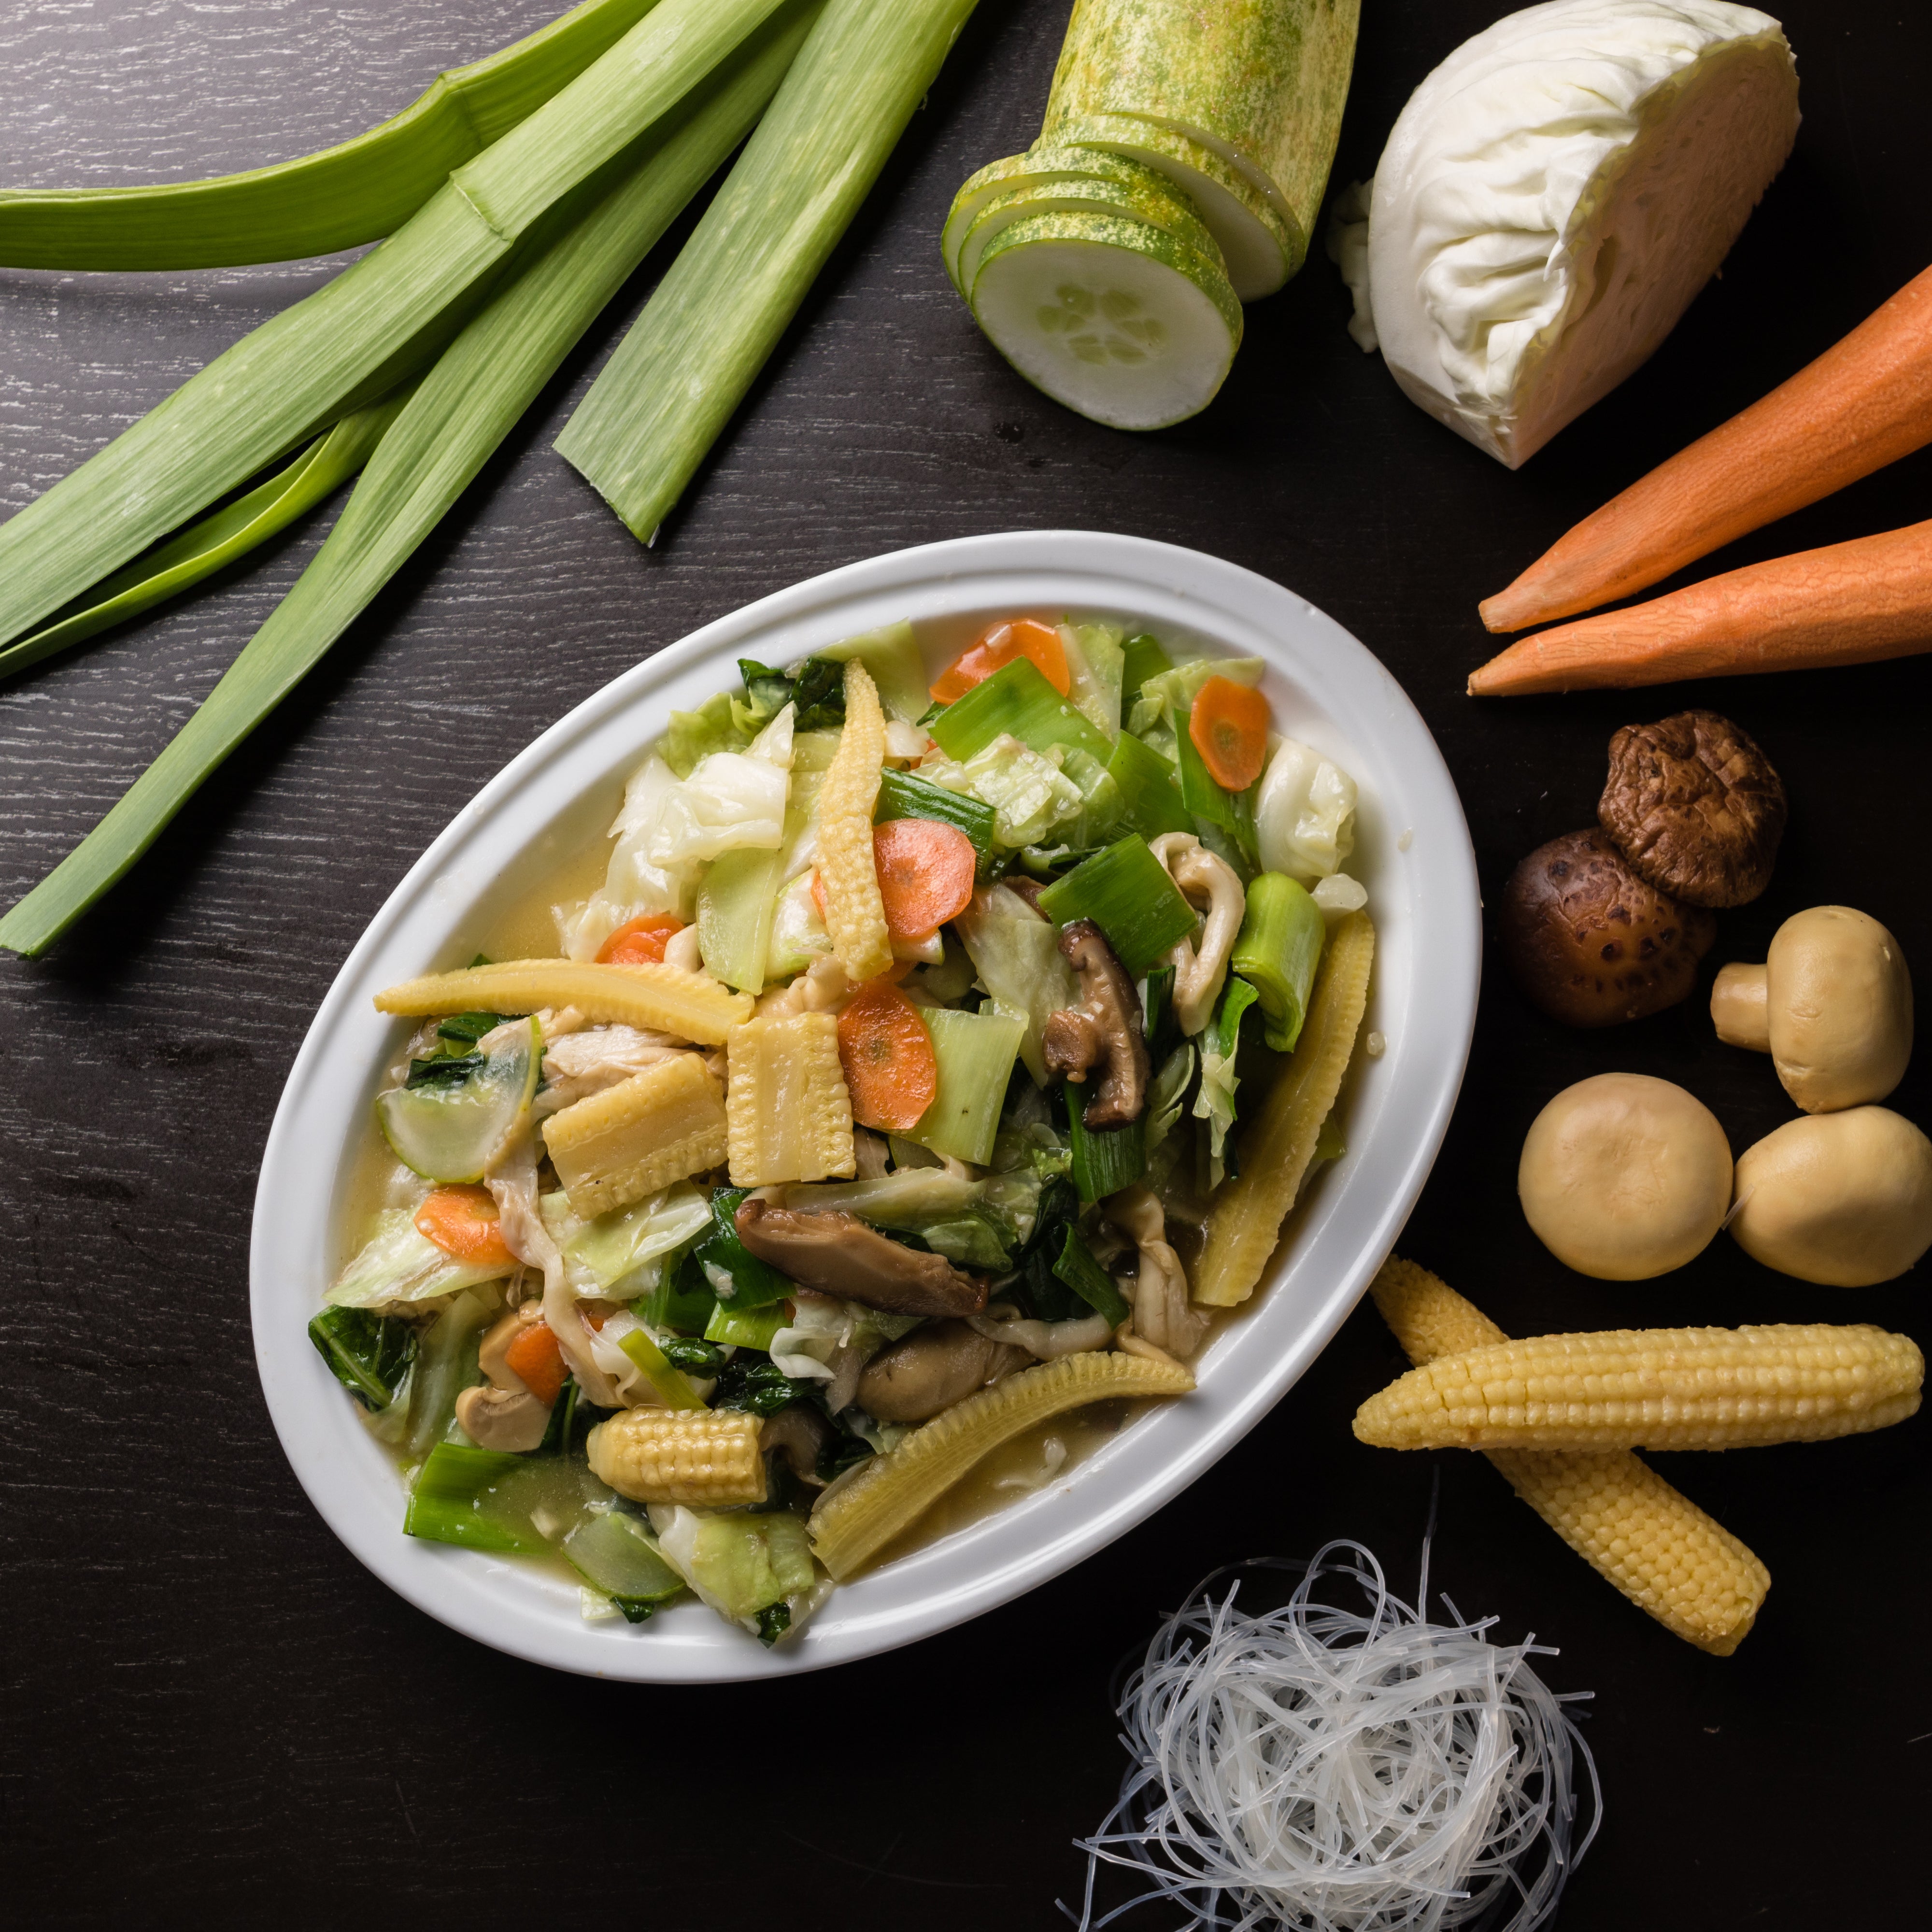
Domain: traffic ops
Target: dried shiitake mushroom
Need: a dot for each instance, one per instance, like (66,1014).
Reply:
(1590,943)
(1695,807)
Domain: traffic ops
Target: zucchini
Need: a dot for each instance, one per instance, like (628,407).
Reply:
(1260,246)
(1260,83)
(1114,318)
(452,1133)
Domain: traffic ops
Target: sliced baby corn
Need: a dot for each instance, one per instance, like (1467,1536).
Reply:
(664,1124)
(855,914)
(856,1520)
(1673,1560)
(789,1114)
(707,1457)
(1652,1388)
(665,999)
(1248,1213)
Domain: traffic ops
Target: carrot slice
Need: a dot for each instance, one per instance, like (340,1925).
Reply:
(1229,727)
(998,647)
(464,1221)
(890,1069)
(926,874)
(639,942)
(537,1362)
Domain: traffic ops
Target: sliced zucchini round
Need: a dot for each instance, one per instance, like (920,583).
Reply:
(1040,166)
(1114,318)
(1262,245)
(1152,199)
(453,1133)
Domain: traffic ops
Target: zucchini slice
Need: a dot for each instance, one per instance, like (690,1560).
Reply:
(1114,318)
(1152,200)
(453,1133)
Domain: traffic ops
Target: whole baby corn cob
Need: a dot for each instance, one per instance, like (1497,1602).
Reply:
(855,912)
(702,1456)
(1682,1567)
(1653,1388)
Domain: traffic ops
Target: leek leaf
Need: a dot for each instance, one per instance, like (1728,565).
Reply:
(1015,702)
(353,192)
(1126,891)
(437,444)
(217,541)
(907,795)
(676,379)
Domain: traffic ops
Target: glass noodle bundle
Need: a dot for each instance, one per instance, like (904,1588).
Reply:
(1321,1768)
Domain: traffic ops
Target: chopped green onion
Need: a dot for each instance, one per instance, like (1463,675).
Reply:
(368,1353)
(975,1053)
(1143,658)
(1127,892)
(1106,1160)
(1150,788)
(737,1277)
(355,192)
(663,397)
(673,1390)
(442,438)
(1081,1272)
(747,1328)
(446,1504)
(906,795)
(1282,936)
(683,1299)
(1015,702)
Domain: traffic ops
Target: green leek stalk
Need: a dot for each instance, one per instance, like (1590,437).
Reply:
(675,380)
(1105,1160)
(447,1503)
(350,342)
(1081,1272)
(1279,947)
(339,198)
(439,442)
(1126,891)
(1015,702)
(907,795)
(217,541)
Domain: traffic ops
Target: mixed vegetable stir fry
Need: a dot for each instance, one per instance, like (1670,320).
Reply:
(861,1122)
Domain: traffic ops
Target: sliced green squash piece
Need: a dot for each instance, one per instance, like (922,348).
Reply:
(453,1133)
(1114,318)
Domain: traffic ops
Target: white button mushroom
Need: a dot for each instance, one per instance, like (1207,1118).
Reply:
(1624,1176)
(1832,1004)
(1843,1198)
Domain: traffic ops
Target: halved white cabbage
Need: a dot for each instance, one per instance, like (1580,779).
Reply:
(1554,194)
(1304,816)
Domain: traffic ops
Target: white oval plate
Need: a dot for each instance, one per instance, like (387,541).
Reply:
(1412,851)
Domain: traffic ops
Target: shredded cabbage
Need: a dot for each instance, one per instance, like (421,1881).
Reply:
(619,1255)
(1020,964)
(798,935)
(1304,818)
(400,1265)
(695,735)
(1029,795)
(632,885)
(732,799)
(821,1327)
(1169,695)
(975,1223)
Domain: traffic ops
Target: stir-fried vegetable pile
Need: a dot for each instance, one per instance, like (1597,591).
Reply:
(851,1132)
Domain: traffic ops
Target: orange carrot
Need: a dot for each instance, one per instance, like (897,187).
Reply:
(890,1070)
(998,647)
(1864,403)
(639,942)
(462,1221)
(537,1362)
(1229,726)
(1851,603)
(926,874)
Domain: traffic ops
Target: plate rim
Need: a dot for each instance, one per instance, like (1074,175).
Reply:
(454,1596)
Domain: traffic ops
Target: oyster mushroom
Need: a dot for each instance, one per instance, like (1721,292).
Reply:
(1590,943)
(1104,1030)
(1832,1005)
(1695,807)
(1209,885)
(1163,1315)
(504,1412)
(833,1252)
(932,1369)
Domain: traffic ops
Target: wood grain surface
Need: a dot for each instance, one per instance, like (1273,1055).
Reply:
(213,1715)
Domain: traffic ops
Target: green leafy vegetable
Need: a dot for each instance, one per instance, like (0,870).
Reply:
(1158,1024)
(1220,1048)
(758,1385)
(448,1502)
(818,691)
(369,1355)
(747,1328)
(1127,892)
(1081,1272)
(701,1359)
(736,1275)
(975,1053)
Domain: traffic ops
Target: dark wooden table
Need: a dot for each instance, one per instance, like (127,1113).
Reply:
(214,1715)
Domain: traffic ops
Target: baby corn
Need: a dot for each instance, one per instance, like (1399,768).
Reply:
(659,1125)
(789,1113)
(1671,1560)
(665,999)
(855,913)
(706,1457)
(1653,1388)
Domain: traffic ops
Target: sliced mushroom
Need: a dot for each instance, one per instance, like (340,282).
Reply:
(833,1252)
(1209,885)
(932,1369)
(1590,943)
(502,1413)
(799,1432)
(1695,807)
(1163,1315)
(1045,1341)
(1104,1030)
